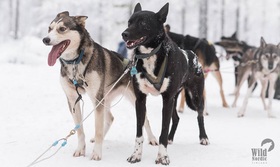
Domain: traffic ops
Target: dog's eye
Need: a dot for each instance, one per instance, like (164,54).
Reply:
(264,57)
(142,23)
(62,29)
(49,29)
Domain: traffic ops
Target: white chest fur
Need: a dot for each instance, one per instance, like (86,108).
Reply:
(149,64)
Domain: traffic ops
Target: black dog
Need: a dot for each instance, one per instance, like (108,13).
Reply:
(206,54)
(160,67)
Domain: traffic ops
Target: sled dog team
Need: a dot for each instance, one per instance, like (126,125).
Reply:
(159,66)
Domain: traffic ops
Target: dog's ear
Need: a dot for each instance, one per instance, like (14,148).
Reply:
(137,8)
(263,43)
(234,35)
(81,20)
(65,13)
(218,43)
(162,13)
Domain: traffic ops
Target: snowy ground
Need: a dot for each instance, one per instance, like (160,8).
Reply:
(35,114)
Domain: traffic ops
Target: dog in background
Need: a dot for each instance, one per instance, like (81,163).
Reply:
(235,49)
(206,56)
(266,69)
(161,68)
(87,67)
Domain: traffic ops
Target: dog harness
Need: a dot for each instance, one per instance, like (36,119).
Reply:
(76,82)
(157,82)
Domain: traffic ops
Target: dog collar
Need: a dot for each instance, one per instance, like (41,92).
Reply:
(75,61)
(147,55)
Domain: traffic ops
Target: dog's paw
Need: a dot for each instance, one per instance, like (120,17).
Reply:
(95,156)
(239,115)
(80,152)
(134,158)
(153,141)
(225,105)
(204,141)
(170,142)
(180,110)
(92,140)
(164,160)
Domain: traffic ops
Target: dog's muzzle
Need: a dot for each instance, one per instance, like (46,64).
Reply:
(270,66)
(46,40)
(125,35)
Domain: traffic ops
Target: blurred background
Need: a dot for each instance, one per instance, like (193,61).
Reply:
(25,22)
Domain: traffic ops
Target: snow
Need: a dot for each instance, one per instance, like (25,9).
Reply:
(35,114)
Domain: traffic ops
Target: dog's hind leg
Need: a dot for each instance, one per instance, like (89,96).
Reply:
(109,118)
(182,101)
(96,94)
(218,76)
(175,121)
(196,102)
(200,118)
(205,103)
(99,130)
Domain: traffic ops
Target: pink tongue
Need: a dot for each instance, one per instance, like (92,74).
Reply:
(54,54)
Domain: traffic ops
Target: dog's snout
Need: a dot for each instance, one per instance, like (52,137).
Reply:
(270,66)
(125,35)
(46,41)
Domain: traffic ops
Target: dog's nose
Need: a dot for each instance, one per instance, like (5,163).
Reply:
(125,35)
(270,66)
(46,40)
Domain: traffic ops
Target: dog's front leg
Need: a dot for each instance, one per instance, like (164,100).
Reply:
(248,94)
(241,79)
(99,130)
(168,104)
(76,114)
(264,83)
(140,116)
(271,91)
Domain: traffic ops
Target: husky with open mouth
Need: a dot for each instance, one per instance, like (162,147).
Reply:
(87,67)
(161,68)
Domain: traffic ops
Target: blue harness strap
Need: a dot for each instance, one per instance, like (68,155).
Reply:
(76,60)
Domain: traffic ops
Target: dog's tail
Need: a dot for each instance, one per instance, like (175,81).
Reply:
(189,100)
